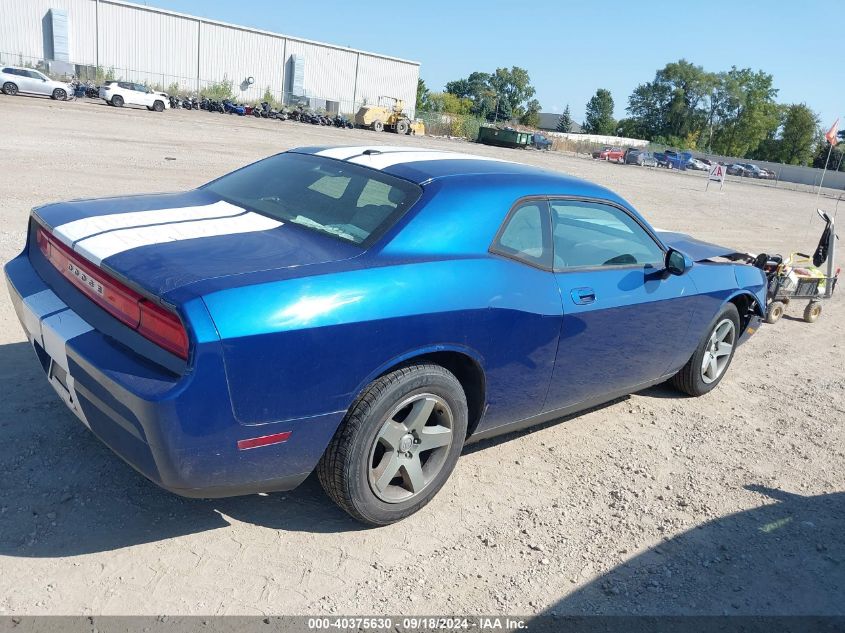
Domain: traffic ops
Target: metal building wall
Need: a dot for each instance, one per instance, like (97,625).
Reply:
(22,32)
(233,54)
(378,76)
(329,72)
(148,44)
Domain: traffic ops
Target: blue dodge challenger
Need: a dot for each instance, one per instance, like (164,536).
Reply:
(363,312)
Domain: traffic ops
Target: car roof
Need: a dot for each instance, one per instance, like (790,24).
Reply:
(21,68)
(421,165)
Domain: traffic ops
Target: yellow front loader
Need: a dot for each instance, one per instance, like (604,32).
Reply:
(388,117)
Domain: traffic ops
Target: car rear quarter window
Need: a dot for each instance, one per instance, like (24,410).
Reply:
(336,198)
(524,236)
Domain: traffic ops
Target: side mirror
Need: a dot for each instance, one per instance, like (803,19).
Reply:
(677,263)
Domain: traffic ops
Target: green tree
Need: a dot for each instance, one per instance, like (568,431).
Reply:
(477,88)
(744,111)
(503,95)
(599,117)
(422,96)
(564,123)
(798,138)
(630,128)
(514,86)
(447,102)
(676,103)
(531,116)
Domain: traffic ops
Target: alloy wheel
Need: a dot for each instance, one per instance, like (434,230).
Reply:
(717,355)
(411,448)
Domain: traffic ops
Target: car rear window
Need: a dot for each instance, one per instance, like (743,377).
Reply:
(336,198)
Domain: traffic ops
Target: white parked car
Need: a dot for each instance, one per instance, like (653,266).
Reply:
(120,93)
(15,79)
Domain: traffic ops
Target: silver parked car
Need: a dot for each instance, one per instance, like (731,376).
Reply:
(15,79)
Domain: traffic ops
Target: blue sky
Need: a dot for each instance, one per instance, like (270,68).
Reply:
(571,49)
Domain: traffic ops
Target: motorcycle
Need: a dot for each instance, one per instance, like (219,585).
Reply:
(175,104)
(233,108)
(342,122)
(262,111)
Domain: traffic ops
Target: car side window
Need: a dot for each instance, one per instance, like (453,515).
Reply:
(124,85)
(590,234)
(525,235)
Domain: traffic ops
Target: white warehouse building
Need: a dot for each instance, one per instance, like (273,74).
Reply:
(158,47)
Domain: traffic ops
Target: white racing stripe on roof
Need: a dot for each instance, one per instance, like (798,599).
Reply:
(80,229)
(344,153)
(388,159)
(99,247)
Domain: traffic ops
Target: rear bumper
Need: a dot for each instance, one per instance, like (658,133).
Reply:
(177,430)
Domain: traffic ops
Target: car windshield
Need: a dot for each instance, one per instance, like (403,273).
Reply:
(336,198)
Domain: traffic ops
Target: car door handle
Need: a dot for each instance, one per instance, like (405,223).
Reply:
(583,296)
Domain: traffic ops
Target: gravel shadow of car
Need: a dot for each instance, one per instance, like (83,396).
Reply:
(64,493)
(786,558)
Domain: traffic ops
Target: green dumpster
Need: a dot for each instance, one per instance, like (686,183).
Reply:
(503,137)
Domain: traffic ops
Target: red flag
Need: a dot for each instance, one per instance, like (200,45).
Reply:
(831,133)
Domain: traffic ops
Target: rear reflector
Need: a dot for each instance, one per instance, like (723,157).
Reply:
(161,326)
(264,440)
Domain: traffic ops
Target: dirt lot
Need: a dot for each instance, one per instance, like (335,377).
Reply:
(732,503)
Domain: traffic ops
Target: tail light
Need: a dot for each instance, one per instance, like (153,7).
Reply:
(162,327)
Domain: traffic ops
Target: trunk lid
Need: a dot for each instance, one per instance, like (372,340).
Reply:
(163,242)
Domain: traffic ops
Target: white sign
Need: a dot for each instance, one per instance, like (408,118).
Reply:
(717,172)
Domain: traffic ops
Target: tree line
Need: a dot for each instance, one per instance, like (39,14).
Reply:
(503,95)
(732,113)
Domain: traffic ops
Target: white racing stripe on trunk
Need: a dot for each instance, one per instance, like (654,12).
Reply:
(99,247)
(381,161)
(86,227)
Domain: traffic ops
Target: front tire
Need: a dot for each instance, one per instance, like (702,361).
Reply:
(59,94)
(158,106)
(397,445)
(711,360)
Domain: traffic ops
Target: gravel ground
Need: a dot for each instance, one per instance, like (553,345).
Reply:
(656,504)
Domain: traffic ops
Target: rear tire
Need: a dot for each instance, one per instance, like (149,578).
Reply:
(117,101)
(59,94)
(813,311)
(775,312)
(712,359)
(377,467)
(10,89)
(378,126)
